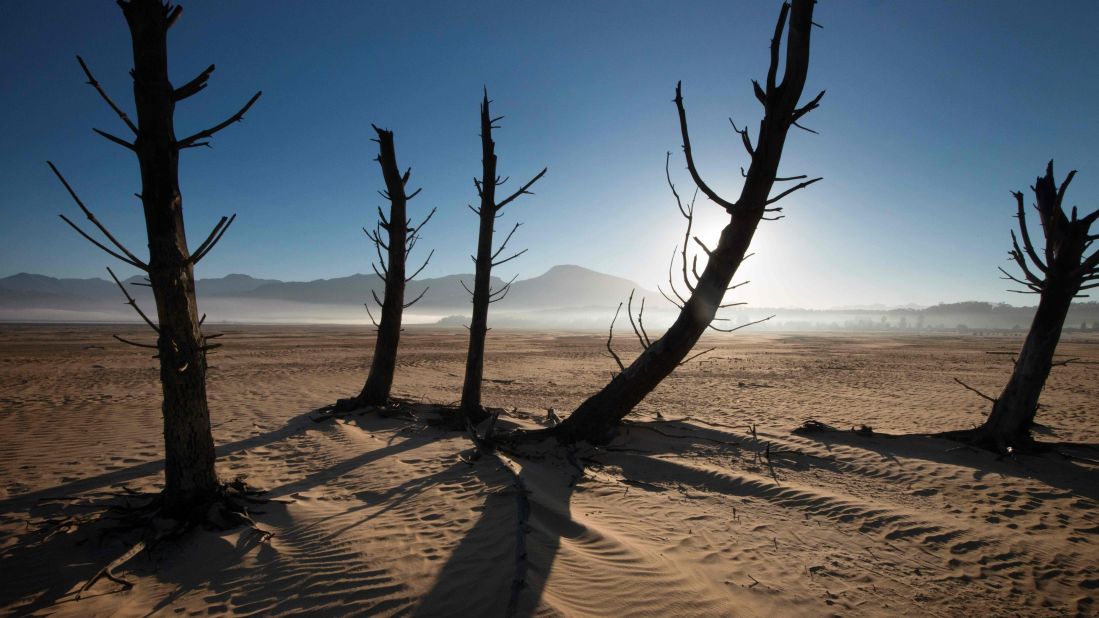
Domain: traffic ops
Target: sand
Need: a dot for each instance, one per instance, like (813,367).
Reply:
(717,508)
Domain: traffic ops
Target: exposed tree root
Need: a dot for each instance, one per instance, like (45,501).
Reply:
(149,516)
(1002,446)
(394,408)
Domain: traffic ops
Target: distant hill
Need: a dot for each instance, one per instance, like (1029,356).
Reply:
(243,298)
(565,296)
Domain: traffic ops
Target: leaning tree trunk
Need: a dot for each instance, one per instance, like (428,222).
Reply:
(1058,276)
(380,380)
(483,294)
(191,482)
(1013,413)
(595,416)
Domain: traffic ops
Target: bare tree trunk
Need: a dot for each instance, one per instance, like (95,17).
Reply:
(191,482)
(189,444)
(482,293)
(380,380)
(594,418)
(1057,275)
(394,237)
(1013,413)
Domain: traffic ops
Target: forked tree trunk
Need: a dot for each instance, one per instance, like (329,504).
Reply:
(483,294)
(595,416)
(1057,274)
(380,380)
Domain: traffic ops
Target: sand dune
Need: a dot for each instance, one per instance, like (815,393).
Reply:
(717,508)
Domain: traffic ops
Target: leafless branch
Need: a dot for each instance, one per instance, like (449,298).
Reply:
(133,303)
(495,296)
(417,299)
(744,139)
(736,328)
(116,139)
(642,337)
(417,228)
(776,42)
(135,344)
(212,240)
(706,190)
(805,109)
(129,258)
(686,280)
(194,86)
(237,117)
(95,84)
(495,264)
(610,336)
(1036,287)
(691,358)
(799,186)
(678,305)
(805,128)
(372,320)
(523,190)
(421,268)
(968,387)
(505,243)
(464,286)
(705,249)
(1025,232)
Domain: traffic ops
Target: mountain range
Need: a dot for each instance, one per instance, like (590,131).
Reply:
(241,298)
(566,296)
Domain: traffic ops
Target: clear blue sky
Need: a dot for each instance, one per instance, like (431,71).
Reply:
(934,112)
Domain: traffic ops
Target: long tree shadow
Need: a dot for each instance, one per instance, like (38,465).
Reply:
(1051,467)
(131,473)
(508,553)
(362,589)
(54,553)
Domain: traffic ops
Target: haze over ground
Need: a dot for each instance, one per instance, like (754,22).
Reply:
(934,112)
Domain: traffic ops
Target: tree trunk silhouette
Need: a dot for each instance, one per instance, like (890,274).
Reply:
(191,482)
(1064,272)
(595,416)
(397,242)
(482,292)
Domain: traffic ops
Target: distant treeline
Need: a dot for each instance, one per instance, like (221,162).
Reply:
(964,316)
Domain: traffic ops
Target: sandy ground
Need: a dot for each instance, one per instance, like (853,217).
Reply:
(717,509)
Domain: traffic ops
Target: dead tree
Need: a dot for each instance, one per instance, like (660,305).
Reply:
(779,98)
(486,258)
(191,482)
(1057,274)
(394,237)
